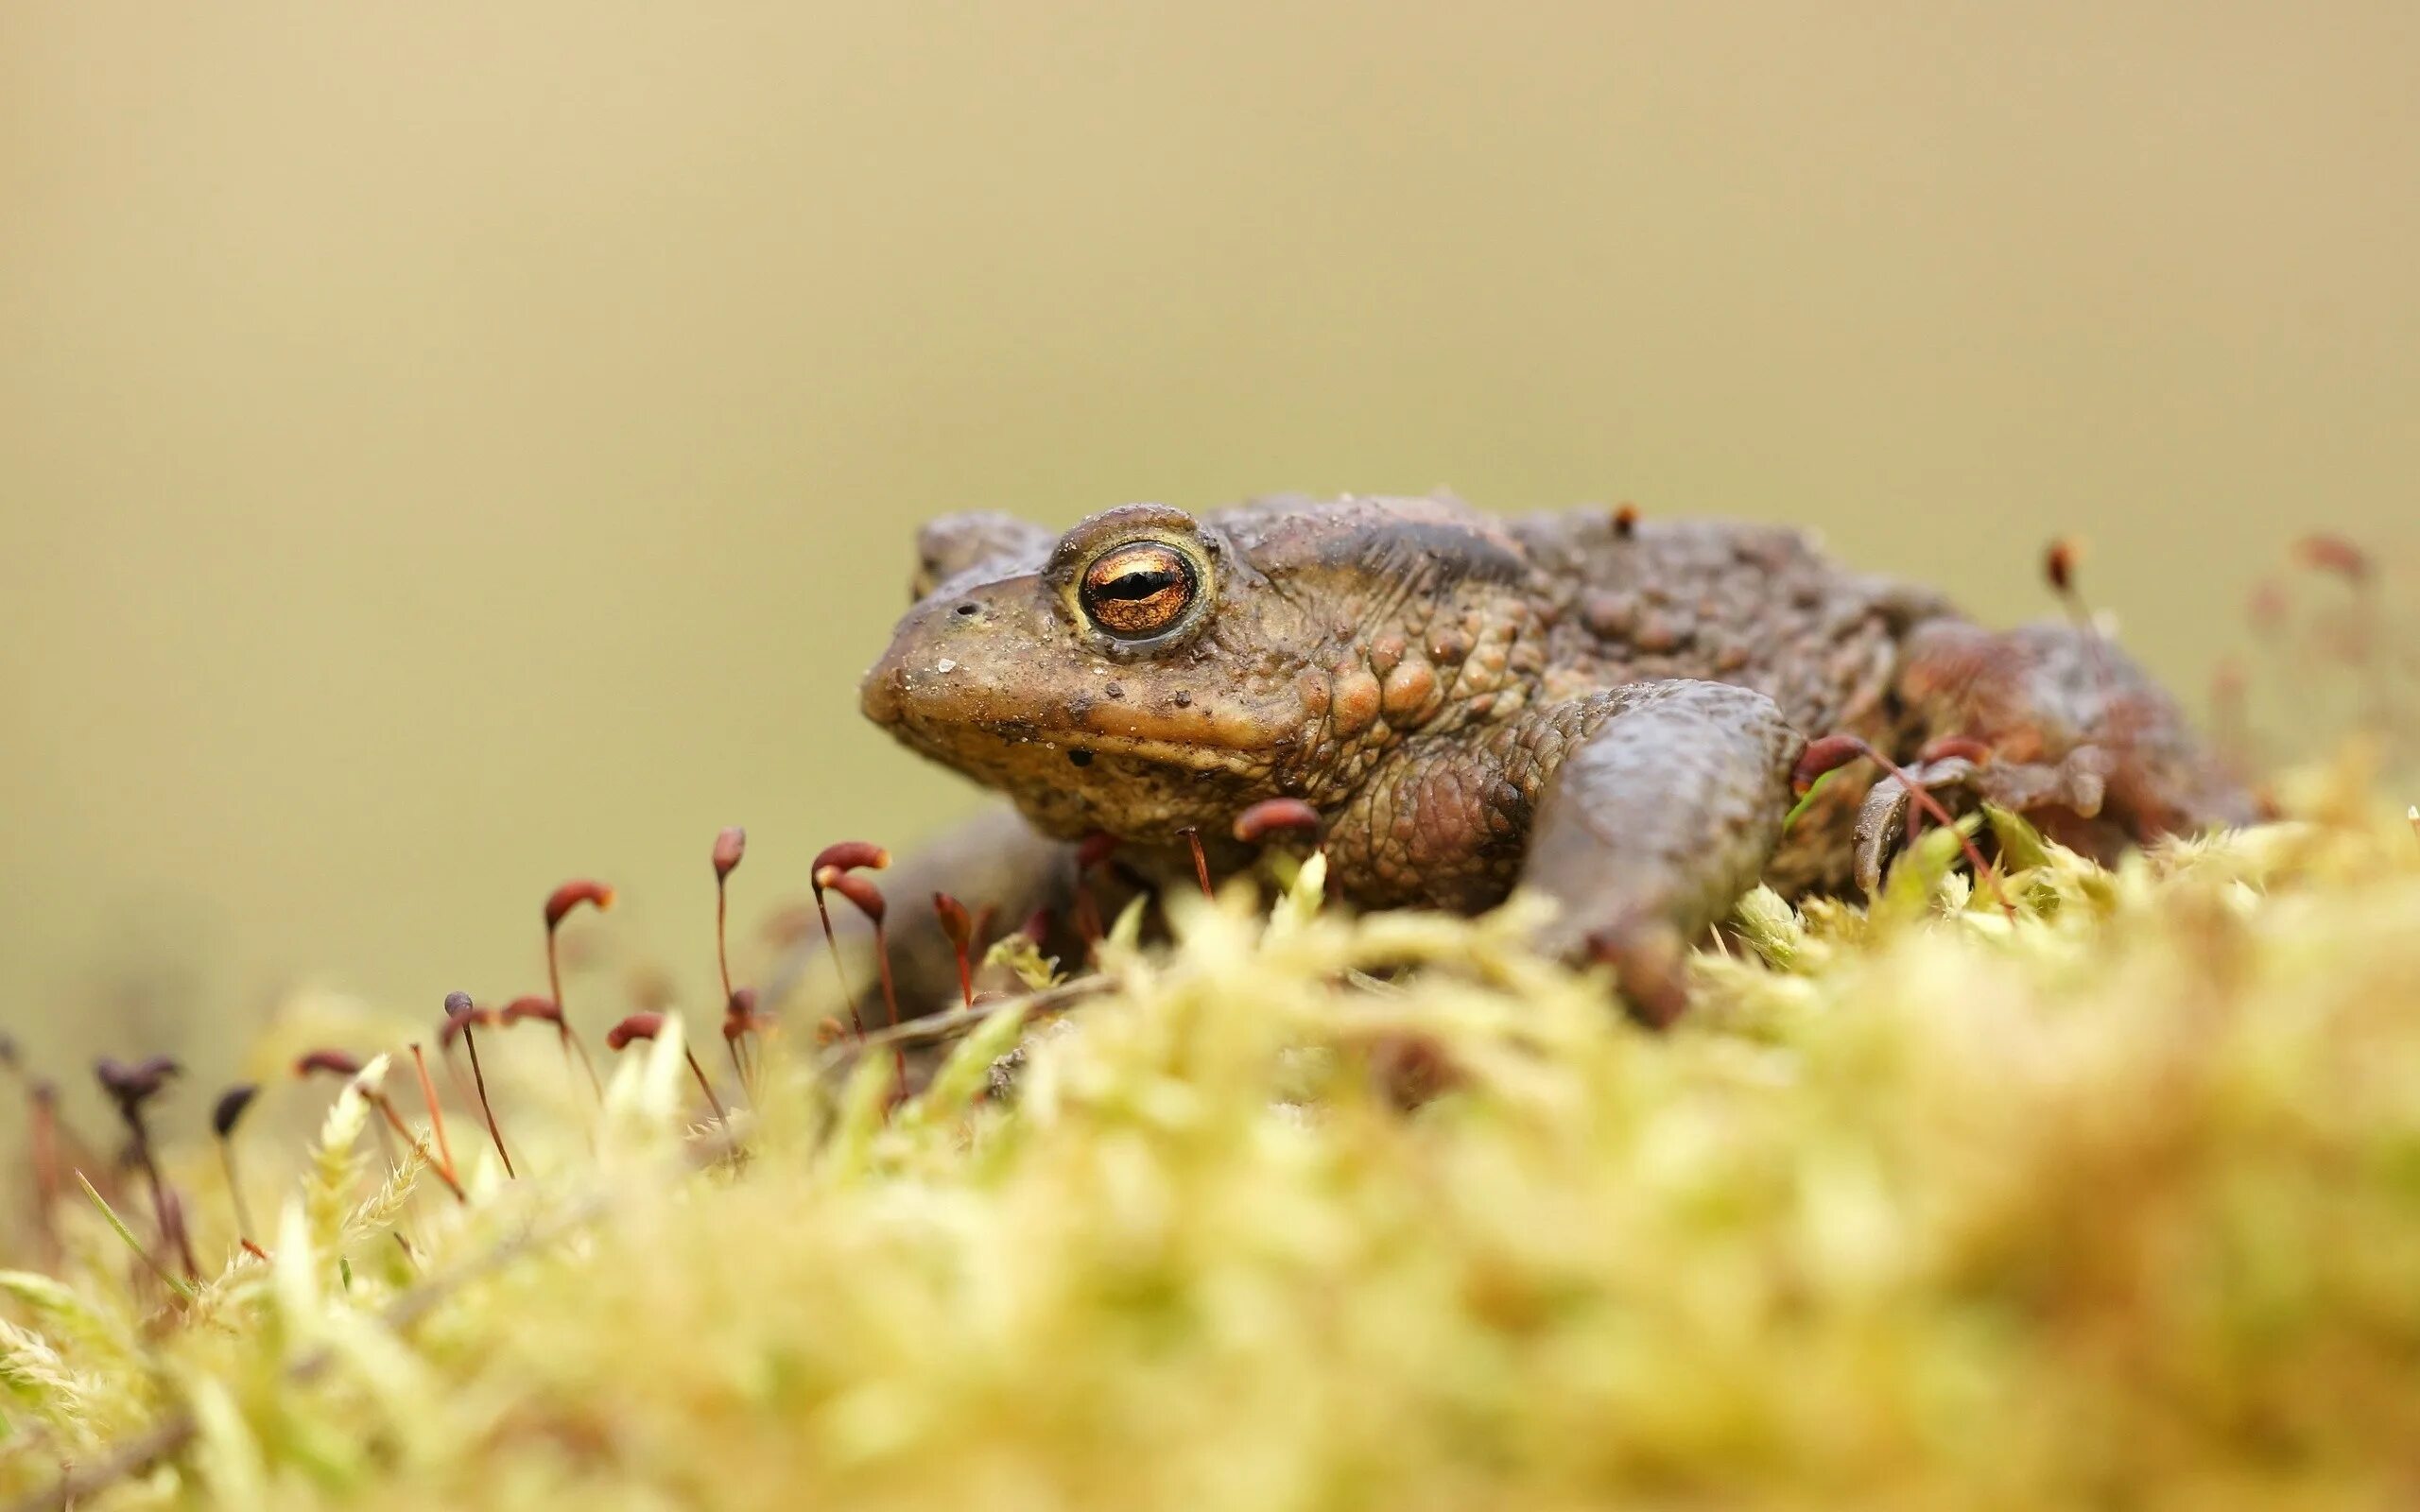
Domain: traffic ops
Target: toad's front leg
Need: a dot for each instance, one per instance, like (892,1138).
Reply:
(1654,822)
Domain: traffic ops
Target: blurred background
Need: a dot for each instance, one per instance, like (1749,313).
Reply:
(451,447)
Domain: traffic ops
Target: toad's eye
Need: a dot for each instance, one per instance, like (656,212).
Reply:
(1138,589)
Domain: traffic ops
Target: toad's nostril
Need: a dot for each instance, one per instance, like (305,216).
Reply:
(970,609)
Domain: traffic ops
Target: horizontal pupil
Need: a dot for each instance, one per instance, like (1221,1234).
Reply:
(1138,584)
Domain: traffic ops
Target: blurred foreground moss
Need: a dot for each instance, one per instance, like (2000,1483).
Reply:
(2117,1203)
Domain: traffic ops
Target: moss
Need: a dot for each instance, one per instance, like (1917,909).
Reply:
(2115,1202)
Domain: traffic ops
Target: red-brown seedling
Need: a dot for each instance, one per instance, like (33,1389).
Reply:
(1275,816)
(647,1025)
(869,901)
(2333,554)
(1201,862)
(1828,754)
(436,1113)
(2058,566)
(560,902)
(739,1020)
(224,1116)
(338,1063)
(579,890)
(2357,637)
(958,927)
(461,1015)
(1626,522)
(2059,563)
(530,1006)
(641,1026)
(1092,852)
(128,1089)
(730,846)
(1823,756)
(853,855)
(326,1062)
(839,858)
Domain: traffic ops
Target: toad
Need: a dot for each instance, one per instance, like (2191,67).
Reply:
(1606,710)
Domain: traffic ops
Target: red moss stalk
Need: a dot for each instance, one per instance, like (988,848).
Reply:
(130,1088)
(838,859)
(957,925)
(1831,752)
(869,901)
(460,1015)
(339,1063)
(223,1119)
(559,903)
(1092,852)
(1201,862)
(647,1025)
(436,1113)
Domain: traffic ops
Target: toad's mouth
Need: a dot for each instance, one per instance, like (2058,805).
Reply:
(1019,750)
(944,713)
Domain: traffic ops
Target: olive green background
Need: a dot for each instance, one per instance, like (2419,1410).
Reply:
(449,447)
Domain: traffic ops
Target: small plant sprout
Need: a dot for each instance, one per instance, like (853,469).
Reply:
(1278,816)
(739,1020)
(958,926)
(460,1016)
(2356,634)
(339,1064)
(839,858)
(436,1113)
(647,1025)
(1201,862)
(560,904)
(730,845)
(128,1089)
(224,1116)
(2333,554)
(1092,852)
(869,901)
(1829,753)
(2059,563)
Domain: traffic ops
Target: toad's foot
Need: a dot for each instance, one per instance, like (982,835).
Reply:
(1655,825)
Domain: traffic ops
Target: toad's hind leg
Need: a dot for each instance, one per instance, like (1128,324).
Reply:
(1655,825)
(2057,723)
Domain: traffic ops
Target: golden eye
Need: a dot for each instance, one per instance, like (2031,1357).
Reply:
(1138,589)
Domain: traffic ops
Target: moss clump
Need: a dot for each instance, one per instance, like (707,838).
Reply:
(2116,1202)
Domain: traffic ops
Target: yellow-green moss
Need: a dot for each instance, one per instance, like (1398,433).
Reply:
(2116,1204)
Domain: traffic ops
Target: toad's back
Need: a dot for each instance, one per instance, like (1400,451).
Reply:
(1757,606)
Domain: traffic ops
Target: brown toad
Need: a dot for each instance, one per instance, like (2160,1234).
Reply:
(1605,710)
